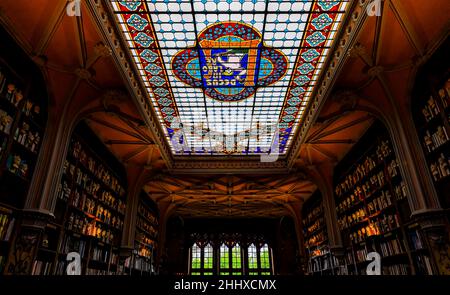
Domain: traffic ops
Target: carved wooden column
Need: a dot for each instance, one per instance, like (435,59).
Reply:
(322,176)
(136,180)
(165,209)
(39,205)
(295,208)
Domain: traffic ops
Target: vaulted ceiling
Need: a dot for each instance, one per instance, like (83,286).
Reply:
(86,81)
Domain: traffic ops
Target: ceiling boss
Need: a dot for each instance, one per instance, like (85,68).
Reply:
(230,61)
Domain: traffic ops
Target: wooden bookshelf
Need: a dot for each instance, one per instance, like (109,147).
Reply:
(90,210)
(315,235)
(146,238)
(22,125)
(372,209)
(432,116)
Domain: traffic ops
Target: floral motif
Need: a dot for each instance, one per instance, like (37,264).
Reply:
(315,39)
(305,68)
(327,4)
(162,92)
(143,39)
(153,69)
(130,4)
(297,91)
(322,21)
(310,55)
(294,101)
(149,55)
(164,101)
(137,22)
(301,80)
(290,110)
(157,81)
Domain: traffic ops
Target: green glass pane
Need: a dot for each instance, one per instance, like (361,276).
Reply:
(208,257)
(224,257)
(237,273)
(265,273)
(236,259)
(208,263)
(253,273)
(195,273)
(208,274)
(252,257)
(196,263)
(224,273)
(264,257)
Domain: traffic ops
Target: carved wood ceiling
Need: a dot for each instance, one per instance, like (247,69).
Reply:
(81,73)
(230,195)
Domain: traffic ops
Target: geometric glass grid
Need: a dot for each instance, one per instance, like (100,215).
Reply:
(252,257)
(236,262)
(224,256)
(227,77)
(208,257)
(264,257)
(196,256)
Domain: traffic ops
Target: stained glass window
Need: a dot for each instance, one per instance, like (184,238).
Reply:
(259,260)
(236,257)
(232,76)
(264,258)
(224,257)
(252,257)
(230,259)
(202,259)
(196,257)
(208,257)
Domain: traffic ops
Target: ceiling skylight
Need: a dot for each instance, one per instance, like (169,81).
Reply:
(228,77)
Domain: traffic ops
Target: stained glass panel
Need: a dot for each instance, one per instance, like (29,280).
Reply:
(196,256)
(236,257)
(208,257)
(224,256)
(264,257)
(227,77)
(252,257)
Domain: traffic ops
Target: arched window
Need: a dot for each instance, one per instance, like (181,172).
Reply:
(202,259)
(259,260)
(230,260)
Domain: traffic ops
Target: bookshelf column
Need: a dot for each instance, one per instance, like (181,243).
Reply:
(322,175)
(165,209)
(135,186)
(38,209)
(296,213)
(428,120)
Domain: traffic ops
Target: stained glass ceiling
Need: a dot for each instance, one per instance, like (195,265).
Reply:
(230,77)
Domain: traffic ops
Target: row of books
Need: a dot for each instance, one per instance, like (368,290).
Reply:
(100,254)
(416,240)
(149,215)
(2,263)
(423,265)
(138,263)
(6,226)
(41,267)
(322,263)
(397,269)
(92,186)
(99,272)
(72,244)
(393,247)
(363,169)
(101,172)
